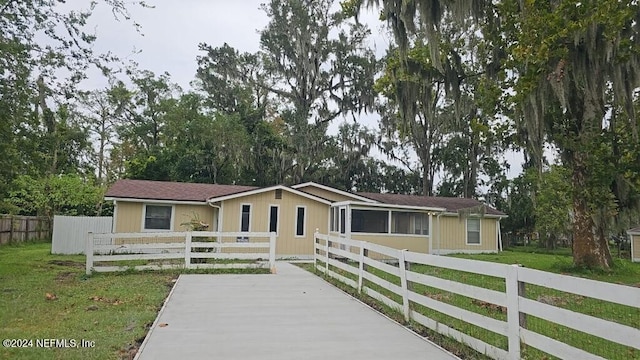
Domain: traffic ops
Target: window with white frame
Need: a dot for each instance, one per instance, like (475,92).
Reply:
(274,211)
(157,217)
(245,218)
(407,222)
(300,220)
(473,231)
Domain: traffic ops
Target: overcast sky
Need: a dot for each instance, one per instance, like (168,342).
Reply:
(171,31)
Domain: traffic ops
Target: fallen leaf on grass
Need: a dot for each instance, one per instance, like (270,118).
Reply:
(105,300)
(50,296)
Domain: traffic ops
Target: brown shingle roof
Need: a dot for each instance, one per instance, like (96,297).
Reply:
(174,191)
(450,203)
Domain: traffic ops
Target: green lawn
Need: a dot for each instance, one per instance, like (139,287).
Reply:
(624,272)
(113,310)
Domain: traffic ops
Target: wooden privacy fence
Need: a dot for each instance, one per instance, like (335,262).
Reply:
(15,228)
(357,264)
(187,254)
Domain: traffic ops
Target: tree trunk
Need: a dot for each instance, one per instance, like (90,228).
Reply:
(589,249)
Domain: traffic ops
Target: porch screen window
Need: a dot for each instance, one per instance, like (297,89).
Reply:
(157,217)
(343,219)
(473,231)
(333,220)
(273,219)
(370,221)
(300,221)
(245,217)
(414,223)
(420,224)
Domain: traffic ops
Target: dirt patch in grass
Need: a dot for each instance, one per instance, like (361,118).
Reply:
(67,263)
(65,276)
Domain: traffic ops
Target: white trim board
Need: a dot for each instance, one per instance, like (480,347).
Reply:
(271,188)
(333,190)
(156,201)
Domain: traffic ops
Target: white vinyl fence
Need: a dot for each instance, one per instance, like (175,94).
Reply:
(70,232)
(356,267)
(188,254)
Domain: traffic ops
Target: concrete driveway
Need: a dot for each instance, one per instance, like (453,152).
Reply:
(291,315)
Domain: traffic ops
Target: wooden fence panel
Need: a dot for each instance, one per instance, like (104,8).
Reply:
(16,228)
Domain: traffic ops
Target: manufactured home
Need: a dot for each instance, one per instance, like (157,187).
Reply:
(436,225)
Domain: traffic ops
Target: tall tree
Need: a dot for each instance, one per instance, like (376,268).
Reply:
(45,52)
(564,57)
(320,67)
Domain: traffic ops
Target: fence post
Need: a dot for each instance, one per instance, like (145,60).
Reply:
(402,266)
(10,229)
(315,249)
(89,252)
(513,310)
(187,250)
(361,267)
(272,252)
(328,255)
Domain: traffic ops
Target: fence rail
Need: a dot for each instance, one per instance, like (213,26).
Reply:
(105,247)
(355,267)
(16,229)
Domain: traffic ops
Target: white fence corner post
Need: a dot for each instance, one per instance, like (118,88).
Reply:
(363,253)
(402,266)
(187,250)
(513,311)
(328,254)
(89,253)
(315,248)
(272,252)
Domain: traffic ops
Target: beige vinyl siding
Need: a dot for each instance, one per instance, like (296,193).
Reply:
(317,217)
(325,194)
(129,219)
(418,243)
(636,247)
(453,234)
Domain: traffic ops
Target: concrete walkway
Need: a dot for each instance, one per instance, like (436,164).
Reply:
(291,315)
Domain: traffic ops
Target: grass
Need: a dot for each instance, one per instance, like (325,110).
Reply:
(44,296)
(624,272)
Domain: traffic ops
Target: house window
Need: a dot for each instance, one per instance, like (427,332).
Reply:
(370,221)
(278,194)
(273,218)
(300,220)
(410,223)
(420,224)
(473,231)
(343,220)
(245,218)
(332,219)
(157,217)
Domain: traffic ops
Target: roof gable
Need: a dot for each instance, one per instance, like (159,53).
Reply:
(266,189)
(330,189)
(170,191)
(450,203)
